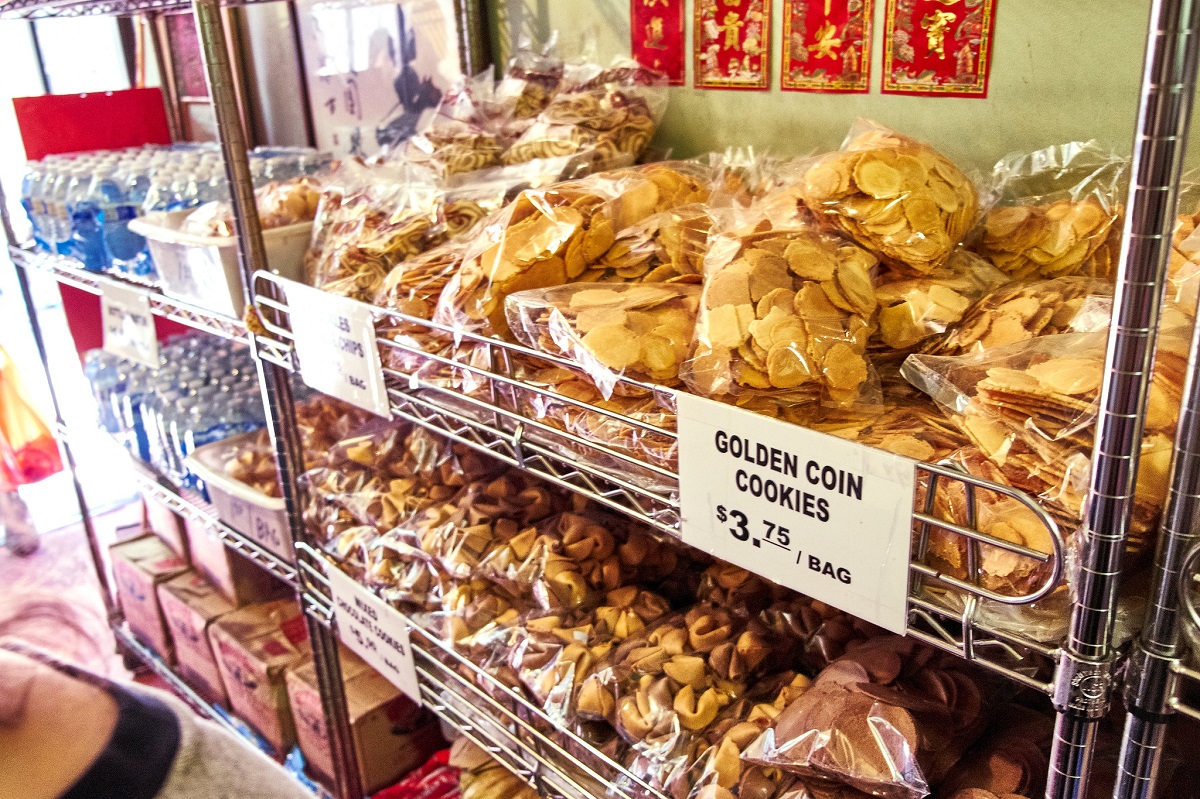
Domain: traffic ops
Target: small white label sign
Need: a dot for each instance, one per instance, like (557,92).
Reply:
(335,342)
(375,631)
(129,325)
(829,518)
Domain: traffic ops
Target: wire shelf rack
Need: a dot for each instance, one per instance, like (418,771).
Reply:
(43,9)
(70,272)
(192,507)
(556,762)
(950,612)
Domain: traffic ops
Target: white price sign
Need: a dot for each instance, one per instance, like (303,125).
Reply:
(829,518)
(335,342)
(129,325)
(375,631)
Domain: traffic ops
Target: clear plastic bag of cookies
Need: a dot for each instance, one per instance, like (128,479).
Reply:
(370,218)
(1183,268)
(280,203)
(613,113)
(530,82)
(717,770)
(1030,409)
(549,237)
(1023,310)
(381,476)
(641,332)
(631,436)
(663,687)
(563,562)
(889,718)
(554,652)
(898,198)
(913,310)
(786,309)
(1058,213)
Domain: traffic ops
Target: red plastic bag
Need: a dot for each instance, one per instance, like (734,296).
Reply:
(28,452)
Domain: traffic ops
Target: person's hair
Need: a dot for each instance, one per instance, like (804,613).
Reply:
(47,622)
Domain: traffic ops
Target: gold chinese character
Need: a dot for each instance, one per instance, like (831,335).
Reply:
(731,25)
(654,34)
(827,42)
(653,3)
(935,25)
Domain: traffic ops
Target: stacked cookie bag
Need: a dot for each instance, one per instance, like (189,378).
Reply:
(786,309)
(898,198)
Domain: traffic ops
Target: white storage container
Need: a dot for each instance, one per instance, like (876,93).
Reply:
(203,270)
(260,518)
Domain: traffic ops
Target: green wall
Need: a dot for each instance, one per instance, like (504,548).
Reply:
(1062,70)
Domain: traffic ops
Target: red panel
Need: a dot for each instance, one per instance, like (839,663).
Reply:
(71,123)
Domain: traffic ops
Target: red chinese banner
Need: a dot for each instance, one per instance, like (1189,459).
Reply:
(656,27)
(938,47)
(827,45)
(731,43)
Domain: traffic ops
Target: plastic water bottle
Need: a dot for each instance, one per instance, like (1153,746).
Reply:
(35,174)
(102,370)
(59,238)
(126,249)
(87,234)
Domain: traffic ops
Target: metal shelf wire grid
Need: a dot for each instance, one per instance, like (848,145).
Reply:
(518,734)
(42,9)
(945,611)
(70,272)
(191,506)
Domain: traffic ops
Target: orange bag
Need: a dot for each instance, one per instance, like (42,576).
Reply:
(28,451)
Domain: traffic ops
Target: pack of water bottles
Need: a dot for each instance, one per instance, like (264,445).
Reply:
(80,205)
(206,389)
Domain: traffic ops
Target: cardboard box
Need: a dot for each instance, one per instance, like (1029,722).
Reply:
(242,581)
(391,734)
(190,604)
(254,645)
(165,523)
(138,568)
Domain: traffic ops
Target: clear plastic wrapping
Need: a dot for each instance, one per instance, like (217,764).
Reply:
(1058,213)
(550,237)
(889,718)
(1030,408)
(612,113)
(641,332)
(894,196)
(912,310)
(370,219)
(1021,311)
(280,203)
(785,309)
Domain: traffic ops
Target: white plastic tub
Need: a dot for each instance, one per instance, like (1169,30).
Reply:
(260,518)
(203,270)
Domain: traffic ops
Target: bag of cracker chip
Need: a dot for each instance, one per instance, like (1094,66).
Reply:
(1031,407)
(639,332)
(549,237)
(370,218)
(896,197)
(786,309)
(610,112)
(1024,310)
(1058,212)
(914,309)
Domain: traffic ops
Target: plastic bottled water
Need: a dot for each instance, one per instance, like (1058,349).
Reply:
(84,201)
(35,175)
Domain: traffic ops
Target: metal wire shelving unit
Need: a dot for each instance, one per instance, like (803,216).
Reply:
(1077,672)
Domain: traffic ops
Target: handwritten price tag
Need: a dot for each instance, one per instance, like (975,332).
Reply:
(829,518)
(335,342)
(375,631)
(129,325)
